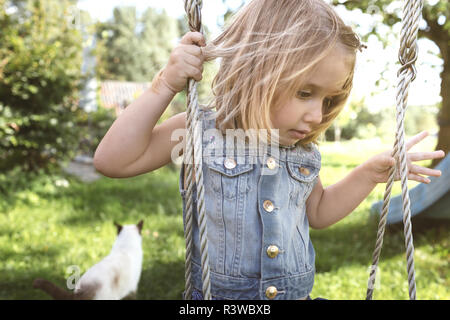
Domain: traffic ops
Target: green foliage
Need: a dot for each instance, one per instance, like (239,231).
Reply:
(159,35)
(436,28)
(40,62)
(132,48)
(356,121)
(94,126)
(420,118)
(391,12)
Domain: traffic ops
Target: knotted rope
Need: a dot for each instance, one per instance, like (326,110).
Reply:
(193,158)
(407,55)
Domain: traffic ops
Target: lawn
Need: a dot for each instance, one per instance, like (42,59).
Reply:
(61,222)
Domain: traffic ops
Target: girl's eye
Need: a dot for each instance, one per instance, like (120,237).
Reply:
(304,94)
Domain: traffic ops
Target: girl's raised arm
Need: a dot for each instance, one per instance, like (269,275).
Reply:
(133,145)
(327,206)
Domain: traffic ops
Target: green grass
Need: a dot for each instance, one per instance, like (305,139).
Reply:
(50,229)
(47,228)
(344,250)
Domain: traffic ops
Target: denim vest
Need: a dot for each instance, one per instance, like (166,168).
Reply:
(258,231)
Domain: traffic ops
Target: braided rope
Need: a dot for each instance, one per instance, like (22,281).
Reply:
(407,56)
(193,157)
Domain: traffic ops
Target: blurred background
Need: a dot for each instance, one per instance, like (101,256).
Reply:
(69,68)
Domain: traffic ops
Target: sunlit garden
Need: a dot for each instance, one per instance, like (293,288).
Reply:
(61,71)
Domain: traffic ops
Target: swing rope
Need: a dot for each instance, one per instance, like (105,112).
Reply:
(193,160)
(407,73)
(193,155)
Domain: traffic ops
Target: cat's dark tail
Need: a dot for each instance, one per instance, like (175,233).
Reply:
(53,290)
(57,293)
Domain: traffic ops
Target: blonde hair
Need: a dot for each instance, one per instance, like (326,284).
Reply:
(266,51)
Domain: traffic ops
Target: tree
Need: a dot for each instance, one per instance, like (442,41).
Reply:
(159,35)
(40,75)
(122,57)
(133,48)
(437,29)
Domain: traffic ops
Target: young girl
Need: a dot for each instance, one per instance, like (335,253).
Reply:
(287,66)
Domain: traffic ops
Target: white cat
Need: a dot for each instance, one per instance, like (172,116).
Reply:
(113,278)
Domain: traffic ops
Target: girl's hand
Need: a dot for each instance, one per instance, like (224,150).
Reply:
(378,167)
(186,61)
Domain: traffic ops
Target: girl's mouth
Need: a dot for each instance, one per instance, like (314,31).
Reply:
(298,134)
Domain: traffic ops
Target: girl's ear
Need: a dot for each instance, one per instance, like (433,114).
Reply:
(139,226)
(119,227)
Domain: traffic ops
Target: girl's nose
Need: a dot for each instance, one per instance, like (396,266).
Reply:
(314,115)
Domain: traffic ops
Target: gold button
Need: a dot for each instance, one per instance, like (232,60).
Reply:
(271,292)
(271,163)
(229,163)
(272,251)
(304,171)
(268,206)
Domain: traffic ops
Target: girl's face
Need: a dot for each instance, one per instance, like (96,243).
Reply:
(299,116)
